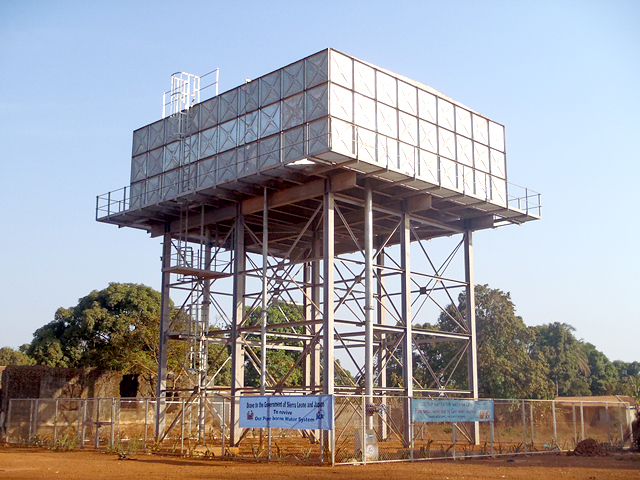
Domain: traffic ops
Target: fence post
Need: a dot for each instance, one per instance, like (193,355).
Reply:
(9,418)
(322,444)
(80,424)
(332,444)
(582,421)
(84,421)
(146,412)
(606,409)
(453,440)
(182,428)
(118,412)
(491,427)
(35,417)
(411,445)
(191,411)
(524,428)
(363,431)
(55,422)
(621,429)
(555,426)
(629,423)
(223,426)
(113,422)
(30,421)
(531,417)
(575,425)
(96,441)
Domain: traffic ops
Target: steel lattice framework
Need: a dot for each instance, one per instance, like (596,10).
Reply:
(312,193)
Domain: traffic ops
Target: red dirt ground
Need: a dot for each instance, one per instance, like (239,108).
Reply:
(35,463)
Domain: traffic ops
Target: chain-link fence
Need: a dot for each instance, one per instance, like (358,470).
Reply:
(519,427)
(120,424)
(366,429)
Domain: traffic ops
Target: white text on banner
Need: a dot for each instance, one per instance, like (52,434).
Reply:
(451,410)
(287,411)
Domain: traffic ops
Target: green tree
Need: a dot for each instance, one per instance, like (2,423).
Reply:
(629,378)
(117,328)
(505,367)
(568,363)
(630,386)
(219,365)
(9,356)
(279,362)
(112,329)
(626,369)
(603,375)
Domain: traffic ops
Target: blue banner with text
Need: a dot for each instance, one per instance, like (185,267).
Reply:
(287,411)
(451,410)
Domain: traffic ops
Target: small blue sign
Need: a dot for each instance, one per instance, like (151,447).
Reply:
(451,410)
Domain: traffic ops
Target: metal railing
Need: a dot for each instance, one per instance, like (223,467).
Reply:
(186,91)
(460,177)
(524,200)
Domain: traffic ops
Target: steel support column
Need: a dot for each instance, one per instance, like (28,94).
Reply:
(328,252)
(237,348)
(472,357)
(328,296)
(383,354)
(307,309)
(165,319)
(204,342)
(263,310)
(368,302)
(407,344)
(315,313)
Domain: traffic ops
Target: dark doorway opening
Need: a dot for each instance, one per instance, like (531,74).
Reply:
(129,389)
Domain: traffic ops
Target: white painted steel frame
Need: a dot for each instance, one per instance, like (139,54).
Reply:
(321,332)
(389,162)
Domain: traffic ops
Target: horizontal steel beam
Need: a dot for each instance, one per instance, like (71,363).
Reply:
(313,189)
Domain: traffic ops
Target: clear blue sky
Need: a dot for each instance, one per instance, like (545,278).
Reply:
(563,76)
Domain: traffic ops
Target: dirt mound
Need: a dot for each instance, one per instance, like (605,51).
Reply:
(590,448)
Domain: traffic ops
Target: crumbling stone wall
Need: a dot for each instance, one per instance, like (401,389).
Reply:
(39,381)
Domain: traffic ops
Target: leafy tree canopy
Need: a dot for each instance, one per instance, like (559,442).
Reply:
(112,329)
(9,356)
(505,367)
(603,375)
(117,329)
(279,362)
(568,363)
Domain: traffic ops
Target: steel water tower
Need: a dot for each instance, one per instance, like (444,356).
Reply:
(312,191)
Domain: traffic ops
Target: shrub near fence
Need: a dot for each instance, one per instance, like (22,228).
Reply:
(373,430)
